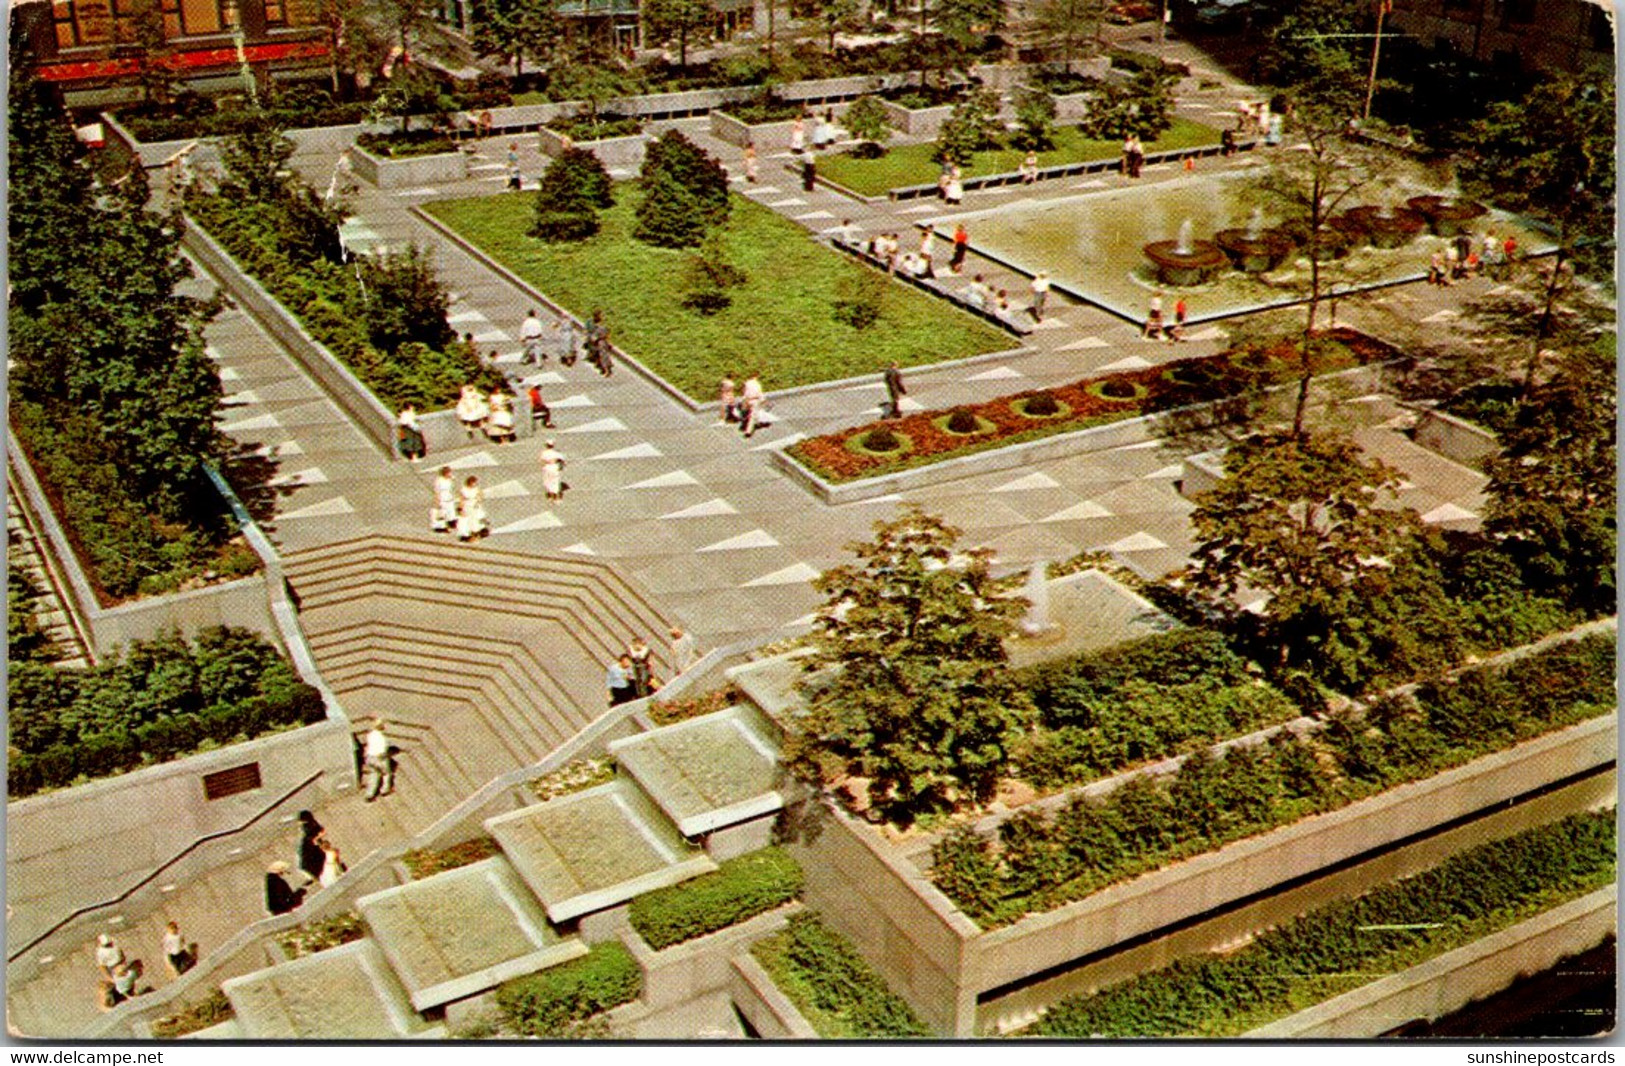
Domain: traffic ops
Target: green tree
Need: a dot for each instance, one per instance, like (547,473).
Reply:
(414,90)
(962,26)
(1035,119)
(679,19)
(1312,49)
(972,126)
(834,14)
(406,300)
(708,275)
(515,29)
(1297,517)
(571,190)
(866,120)
(921,703)
(155,74)
(592,83)
(685,193)
(1071,25)
(1142,106)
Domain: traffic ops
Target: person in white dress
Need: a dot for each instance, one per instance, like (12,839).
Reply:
(332,866)
(552,461)
(471,510)
(499,426)
(753,396)
(798,135)
(472,410)
(443,515)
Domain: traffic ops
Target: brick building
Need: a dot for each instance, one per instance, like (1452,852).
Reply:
(1522,35)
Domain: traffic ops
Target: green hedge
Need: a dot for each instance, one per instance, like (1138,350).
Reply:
(1351,942)
(742,888)
(1145,824)
(551,1003)
(831,984)
(161,699)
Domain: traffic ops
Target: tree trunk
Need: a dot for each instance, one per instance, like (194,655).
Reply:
(1543,327)
(682,47)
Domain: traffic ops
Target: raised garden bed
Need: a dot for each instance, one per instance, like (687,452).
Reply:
(421,863)
(1089,402)
(410,144)
(832,986)
(413,164)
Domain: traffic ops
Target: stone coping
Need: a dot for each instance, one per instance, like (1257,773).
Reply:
(463,931)
(769,1010)
(707,772)
(590,850)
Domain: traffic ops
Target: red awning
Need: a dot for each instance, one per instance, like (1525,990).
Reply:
(199,59)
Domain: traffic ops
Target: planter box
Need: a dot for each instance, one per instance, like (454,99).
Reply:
(1456,439)
(611,151)
(925,122)
(701,966)
(768,1010)
(765,135)
(409,173)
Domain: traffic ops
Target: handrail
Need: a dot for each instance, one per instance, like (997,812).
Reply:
(153,875)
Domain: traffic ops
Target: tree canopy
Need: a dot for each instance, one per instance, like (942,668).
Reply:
(680,19)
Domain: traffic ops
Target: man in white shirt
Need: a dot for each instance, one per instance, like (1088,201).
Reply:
(976,293)
(531,334)
(684,652)
(377,767)
(1040,287)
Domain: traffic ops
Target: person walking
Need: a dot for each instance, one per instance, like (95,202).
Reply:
(280,897)
(310,849)
(798,135)
(1040,287)
(1136,155)
(754,395)
(955,190)
(643,678)
(1153,319)
(1436,268)
(895,391)
(684,652)
(598,344)
(727,400)
(552,461)
(927,236)
(109,956)
(530,333)
(809,173)
(178,955)
(443,515)
(750,162)
(332,863)
(499,426)
(956,262)
(1177,333)
(618,678)
(408,435)
(471,522)
(377,763)
(472,410)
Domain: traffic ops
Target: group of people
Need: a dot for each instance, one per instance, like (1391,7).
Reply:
(1133,155)
(1157,329)
(121,976)
(631,675)
(823,136)
(457,508)
(566,340)
(319,864)
(1465,256)
(479,413)
(743,407)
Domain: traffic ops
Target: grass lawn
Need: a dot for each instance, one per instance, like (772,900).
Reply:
(781,321)
(911,164)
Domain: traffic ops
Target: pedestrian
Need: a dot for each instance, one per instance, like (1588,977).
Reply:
(178,955)
(977,293)
(809,173)
(125,976)
(408,435)
(895,391)
(377,763)
(1436,268)
(332,865)
(1040,287)
(1153,319)
(1177,333)
(1128,156)
(310,851)
(539,411)
(471,522)
(619,681)
(514,181)
(472,409)
(499,426)
(846,232)
(1227,142)
(754,397)
(280,897)
(927,235)
(443,514)
(1464,245)
(798,135)
(889,253)
(1509,254)
(684,652)
(955,192)
(598,344)
(727,400)
(750,162)
(1136,155)
(824,131)
(530,333)
(1492,255)
(961,246)
(643,678)
(552,461)
(108,955)
(1029,169)
(1452,264)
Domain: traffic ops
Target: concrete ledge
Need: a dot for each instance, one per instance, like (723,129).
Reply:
(924,121)
(409,173)
(768,1010)
(1456,438)
(738,132)
(1452,980)
(376,422)
(701,966)
(611,151)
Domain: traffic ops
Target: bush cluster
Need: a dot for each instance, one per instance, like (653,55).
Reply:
(1146,823)
(596,127)
(421,863)
(685,193)
(572,190)
(552,1003)
(831,984)
(1308,958)
(25,641)
(161,699)
(211,1011)
(741,888)
(191,115)
(406,144)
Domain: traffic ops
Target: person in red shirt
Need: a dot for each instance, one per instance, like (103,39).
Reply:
(961,246)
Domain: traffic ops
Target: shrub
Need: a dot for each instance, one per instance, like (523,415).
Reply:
(25,641)
(866,120)
(406,301)
(551,1003)
(212,1011)
(708,275)
(963,421)
(571,190)
(741,888)
(1042,405)
(832,985)
(597,128)
(685,193)
(1035,119)
(973,126)
(882,440)
(421,863)
(322,934)
(860,298)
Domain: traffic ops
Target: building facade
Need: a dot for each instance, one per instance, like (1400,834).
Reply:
(1524,35)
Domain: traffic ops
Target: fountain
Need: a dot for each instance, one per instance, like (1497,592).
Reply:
(1185,261)
(1255,249)
(1446,215)
(1037,620)
(1387,227)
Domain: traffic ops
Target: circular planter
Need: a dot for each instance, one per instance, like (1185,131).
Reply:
(1446,217)
(1254,253)
(982,426)
(855,444)
(1186,266)
(1134,391)
(1020,407)
(1193,376)
(1388,227)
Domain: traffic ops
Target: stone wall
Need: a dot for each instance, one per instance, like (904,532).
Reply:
(1456,439)
(409,173)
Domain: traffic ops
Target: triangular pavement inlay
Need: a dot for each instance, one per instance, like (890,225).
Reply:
(1086,509)
(472,462)
(1211,333)
(704,510)
(257,422)
(998,373)
(229,373)
(245,397)
(666,481)
(756,538)
(1087,342)
(313,476)
(1174,470)
(790,575)
(579,548)
(1449,512)
(546,377)
(1136,542)
(506,490)
(326,509)
(603,425)
(1442,316)
(577,400)
(1031,481)
(545,520)
(782,442)
(636,451)
(1133,362)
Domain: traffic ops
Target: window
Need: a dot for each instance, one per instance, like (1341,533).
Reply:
(231,782)
(62,13)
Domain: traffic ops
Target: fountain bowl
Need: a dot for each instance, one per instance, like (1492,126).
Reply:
(1188,266)
(1386,228)
(1446,215)
(1254,253)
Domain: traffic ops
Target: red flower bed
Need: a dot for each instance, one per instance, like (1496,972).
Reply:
(1208,379)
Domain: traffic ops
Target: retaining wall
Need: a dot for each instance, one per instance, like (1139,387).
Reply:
(411,172)
(611,151)
(702,966)
(922,122)
(1456,439)
(768,1010)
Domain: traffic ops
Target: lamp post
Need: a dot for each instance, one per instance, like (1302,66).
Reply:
(1383,7)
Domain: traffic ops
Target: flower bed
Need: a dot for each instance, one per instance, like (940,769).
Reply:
(322,934)
(1089,402)
(1338,947)
(586,128)
(576,776)
(210,1012)
(406,145)
(667,712)
(421,863)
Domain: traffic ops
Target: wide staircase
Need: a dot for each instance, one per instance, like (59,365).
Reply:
(481,660)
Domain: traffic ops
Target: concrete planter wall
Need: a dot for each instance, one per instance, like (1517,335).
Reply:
(611,151)
(409,173)
(1456,439)
(699,967)
(375,421)
(768,1010)
(1449,982)
(1062,445)
(765,135)
(924,122)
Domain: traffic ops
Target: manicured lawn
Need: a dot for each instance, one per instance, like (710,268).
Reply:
(781,321)
(911,164)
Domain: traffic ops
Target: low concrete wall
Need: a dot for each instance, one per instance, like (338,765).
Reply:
(738,132)
(702,966)
(924,122)
(376,422)
(611,151)
(236,603)
(409,173)
(1061,446)
(768,1010)
(1451,981)
(1456,439)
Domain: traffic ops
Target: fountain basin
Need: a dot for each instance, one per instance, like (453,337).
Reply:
(1334,242)
(1387,227)
(1446,215)
(1254,252)
(1191,265)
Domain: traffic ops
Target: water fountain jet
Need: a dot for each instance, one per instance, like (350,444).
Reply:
(1185,261)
